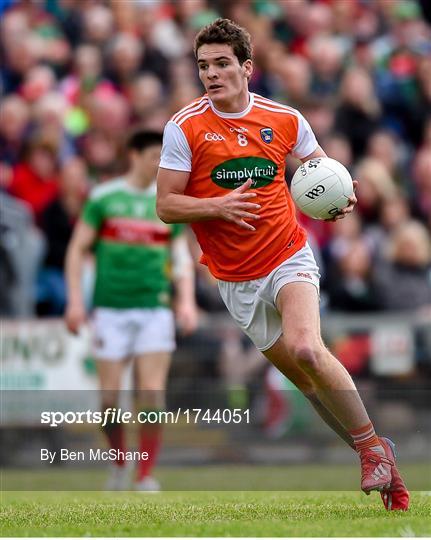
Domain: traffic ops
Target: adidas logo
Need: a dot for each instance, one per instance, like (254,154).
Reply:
(379,472)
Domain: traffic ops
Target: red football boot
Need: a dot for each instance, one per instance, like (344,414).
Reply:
(397,496)
(376,471)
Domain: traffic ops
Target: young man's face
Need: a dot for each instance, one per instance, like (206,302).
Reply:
(147,161)
(221,74)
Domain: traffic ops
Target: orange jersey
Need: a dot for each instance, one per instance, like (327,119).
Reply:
(223,150)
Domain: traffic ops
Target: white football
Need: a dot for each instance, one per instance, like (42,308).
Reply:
(321,187)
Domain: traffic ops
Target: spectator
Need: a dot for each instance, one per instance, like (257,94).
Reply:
(38,81)
(338,147)
(424,82)
(181,95)
(292,78)
(101,153)
(394,211)
(124,60)
(22,246)
(22,49)
(97,25)
(426,141)
(86,75)
(359,114)
(321,117)
(388,148)
(14,125)
(343,234)
(422,183)
(35,179)
(50,114)
(109,113)
(376,185)
(403,281)
(326,58)
(57,223)
(154,60)
(146,95)
(396,55)
(351,287)
(184,84)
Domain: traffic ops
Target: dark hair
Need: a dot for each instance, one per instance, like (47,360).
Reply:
(140,140)
(226,31)
(40,141)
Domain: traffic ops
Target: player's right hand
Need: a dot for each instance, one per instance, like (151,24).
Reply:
(75,317)
(235,206)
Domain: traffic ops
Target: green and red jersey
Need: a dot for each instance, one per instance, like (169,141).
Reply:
(132,248)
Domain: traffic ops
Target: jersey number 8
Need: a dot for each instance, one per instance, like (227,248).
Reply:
(242,139)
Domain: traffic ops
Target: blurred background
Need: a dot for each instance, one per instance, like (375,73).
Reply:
(78,75)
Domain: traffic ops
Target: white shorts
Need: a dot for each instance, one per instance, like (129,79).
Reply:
(121,333)
(253,303)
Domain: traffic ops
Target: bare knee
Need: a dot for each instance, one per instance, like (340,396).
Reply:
(307,355)
(110,399)
(150,397)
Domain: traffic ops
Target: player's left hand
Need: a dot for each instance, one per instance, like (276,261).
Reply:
(187,317)
(349,208)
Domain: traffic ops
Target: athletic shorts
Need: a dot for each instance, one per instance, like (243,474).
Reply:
(121,333)
(252,303)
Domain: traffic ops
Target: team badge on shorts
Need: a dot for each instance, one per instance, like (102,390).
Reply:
(266,135)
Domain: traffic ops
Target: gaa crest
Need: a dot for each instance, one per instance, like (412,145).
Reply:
(266,135)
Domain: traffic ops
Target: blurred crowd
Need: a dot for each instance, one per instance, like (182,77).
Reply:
(78,75)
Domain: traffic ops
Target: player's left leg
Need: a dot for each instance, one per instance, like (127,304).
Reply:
(394,498)
(153,347)
(397,496)
(151,372)
(297,303)
(278,356)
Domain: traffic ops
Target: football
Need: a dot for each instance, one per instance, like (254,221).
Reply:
(321,187)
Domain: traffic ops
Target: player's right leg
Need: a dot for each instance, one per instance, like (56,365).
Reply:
(152,348)
(151,371)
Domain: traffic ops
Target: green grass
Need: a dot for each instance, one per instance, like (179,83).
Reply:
(238,477)
(208,513)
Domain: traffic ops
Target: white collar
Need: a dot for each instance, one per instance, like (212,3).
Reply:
(149,190)
(235,114)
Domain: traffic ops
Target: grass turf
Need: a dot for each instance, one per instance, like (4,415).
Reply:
(238,477)
(209,513)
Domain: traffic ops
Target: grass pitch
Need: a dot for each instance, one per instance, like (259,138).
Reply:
(216,513)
